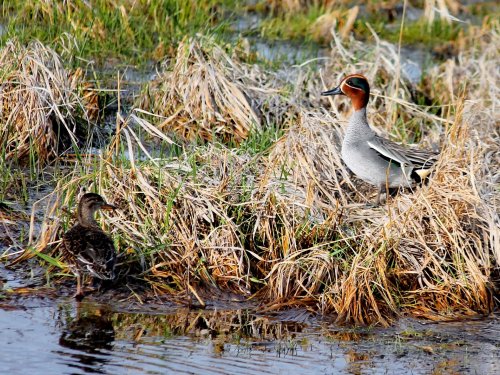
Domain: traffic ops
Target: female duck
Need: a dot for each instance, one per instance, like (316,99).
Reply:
(89,249)
(376,160)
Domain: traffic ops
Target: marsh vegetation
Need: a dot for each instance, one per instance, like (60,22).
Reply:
(226,166)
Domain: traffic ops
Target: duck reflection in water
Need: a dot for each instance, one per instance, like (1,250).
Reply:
(92,333)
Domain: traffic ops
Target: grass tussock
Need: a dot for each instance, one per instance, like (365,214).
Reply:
(174,219)
(206,94)
(426,252)
(290,222)
(43,106)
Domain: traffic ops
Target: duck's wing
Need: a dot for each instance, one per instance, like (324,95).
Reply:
(99,255)
(422,159)
(409,157)
(74,242)
(390,151)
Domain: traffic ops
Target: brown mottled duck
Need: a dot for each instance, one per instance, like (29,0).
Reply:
(89,249)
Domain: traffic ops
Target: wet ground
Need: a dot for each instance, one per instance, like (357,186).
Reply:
(45,331)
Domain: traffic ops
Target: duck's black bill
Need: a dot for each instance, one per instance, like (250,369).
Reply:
(335,91)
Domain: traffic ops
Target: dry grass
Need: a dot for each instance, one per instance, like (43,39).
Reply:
(42,105)
(343,19)
(431,252)
(205,94)
(291,224)
(174,218)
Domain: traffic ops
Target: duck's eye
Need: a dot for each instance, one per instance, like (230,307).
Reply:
(349,82)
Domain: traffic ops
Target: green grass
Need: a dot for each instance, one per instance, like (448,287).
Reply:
(418,32)
(261,141)
(130,31)
(13,182)
(487,9)
(299,26)
(288,26)
(138,32)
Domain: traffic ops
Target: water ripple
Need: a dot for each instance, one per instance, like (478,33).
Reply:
(68,339)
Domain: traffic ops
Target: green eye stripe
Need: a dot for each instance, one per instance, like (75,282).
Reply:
(359,83)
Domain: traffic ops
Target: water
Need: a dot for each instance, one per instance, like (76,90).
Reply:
(48,336)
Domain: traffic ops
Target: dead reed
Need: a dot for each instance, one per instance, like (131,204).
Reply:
(174,219)
(203,93)
(290,223)
(43,106)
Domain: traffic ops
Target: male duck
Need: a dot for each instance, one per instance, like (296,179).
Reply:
(376,160)
(89,249)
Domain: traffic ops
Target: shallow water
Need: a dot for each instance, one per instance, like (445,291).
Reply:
(48,336)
